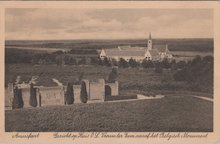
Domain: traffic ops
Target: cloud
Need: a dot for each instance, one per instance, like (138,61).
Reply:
(107,23)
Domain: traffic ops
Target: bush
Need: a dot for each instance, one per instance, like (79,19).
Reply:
(165,63)
(123,63)
(133,63)
(147,63)
(158,68)
(33,97)
(106,62)
(17,99)
(113,76)
(114,62)
(82,61)
(173,65)
(69,95)
(181,64)
(83,93)
(198,73)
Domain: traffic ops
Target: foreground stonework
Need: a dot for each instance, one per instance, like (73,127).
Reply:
(48,96)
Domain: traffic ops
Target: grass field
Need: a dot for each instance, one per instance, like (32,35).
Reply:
(169,114)
(131,80)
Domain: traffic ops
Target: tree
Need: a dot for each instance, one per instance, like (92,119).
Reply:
(17,99)
(59,60)
(58,52)
(113,76)
(181,64)
(80,77)
(197,60)
(95,61)
(165,63)
(82,61)
(198,74)
(114,62)
(158,68)
(123,63)
(73,61)
(69,95)
(106,62)
(133,63)
(173,65)
(33,97)
(83,93)
(147,63)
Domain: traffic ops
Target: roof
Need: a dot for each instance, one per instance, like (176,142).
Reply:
(154,53)
(160,48)
(131,48)
(150,36)
(124,47)
(111,52)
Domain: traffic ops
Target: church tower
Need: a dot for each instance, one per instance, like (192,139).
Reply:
(149,44)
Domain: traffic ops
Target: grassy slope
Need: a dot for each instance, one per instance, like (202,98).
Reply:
(167,114)
(134,80)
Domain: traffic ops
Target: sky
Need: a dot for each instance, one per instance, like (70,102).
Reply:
(58,24)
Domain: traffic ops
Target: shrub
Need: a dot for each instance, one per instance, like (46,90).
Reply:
(106,62)
(198,73)
(165,63)
(95,61)
(33,97)
(17,99)
(114,62)
(173,65)
(80,78)
(133,63)
(83,93)
(181,64)
(59,60)
(113,76)
(69,95)
(147,64)
(123,63)
(158,68)
(82,61)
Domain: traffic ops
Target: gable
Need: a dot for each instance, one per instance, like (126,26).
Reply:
(102,53)
(161,48)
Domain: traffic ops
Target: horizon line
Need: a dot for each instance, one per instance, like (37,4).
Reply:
(107,39)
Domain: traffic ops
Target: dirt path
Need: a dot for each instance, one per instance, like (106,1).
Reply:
(204,98)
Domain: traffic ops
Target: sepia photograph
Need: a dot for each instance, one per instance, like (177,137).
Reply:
(109,70)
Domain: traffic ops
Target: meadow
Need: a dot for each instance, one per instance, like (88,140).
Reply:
(131,80)
(169,114)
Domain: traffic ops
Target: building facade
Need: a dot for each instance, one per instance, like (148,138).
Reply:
(151,52)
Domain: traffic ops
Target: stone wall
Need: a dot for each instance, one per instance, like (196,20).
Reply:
(114,88)
(51,96)
(97,90)
(76,90)
(47,96)
(26,96)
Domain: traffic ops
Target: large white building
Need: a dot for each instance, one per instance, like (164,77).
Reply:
(151,52)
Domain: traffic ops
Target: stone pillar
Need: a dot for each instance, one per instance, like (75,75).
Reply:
(62,95)
(63,91)
(76,90)
(38,95)
(102,88)
(87,88)
(10,87)
(116,88)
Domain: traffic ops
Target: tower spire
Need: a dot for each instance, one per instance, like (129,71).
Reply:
(149,43)
(150,36)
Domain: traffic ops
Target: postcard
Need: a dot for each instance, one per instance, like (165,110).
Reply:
(109,72)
